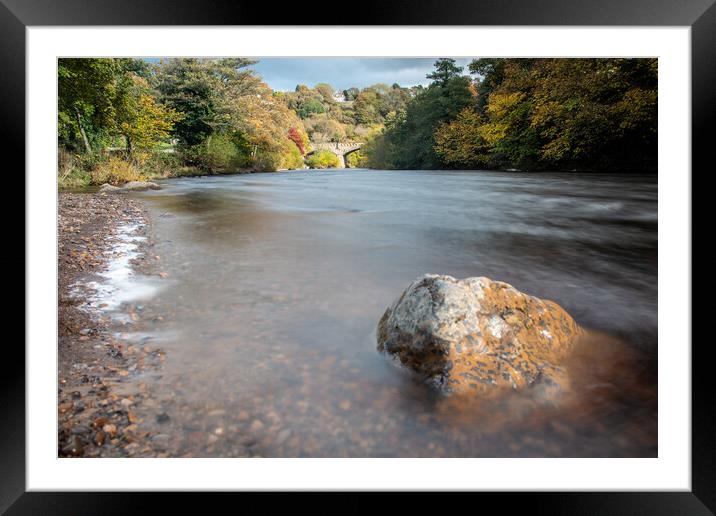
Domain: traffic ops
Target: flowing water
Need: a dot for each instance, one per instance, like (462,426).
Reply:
(276,283)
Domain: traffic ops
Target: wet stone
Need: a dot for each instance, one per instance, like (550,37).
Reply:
(74,446)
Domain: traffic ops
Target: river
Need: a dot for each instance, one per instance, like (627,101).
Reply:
(275,284)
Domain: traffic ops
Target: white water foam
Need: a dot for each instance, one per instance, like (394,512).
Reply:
(118,283)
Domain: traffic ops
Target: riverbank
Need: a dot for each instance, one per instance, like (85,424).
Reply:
(99,374)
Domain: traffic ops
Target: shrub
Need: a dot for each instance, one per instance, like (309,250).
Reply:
(219,153)
(267,161)
(74,178)
(293,158)
(116,171)
(158,165)
(322,159)
(70,173)
(356,160)
(283,156)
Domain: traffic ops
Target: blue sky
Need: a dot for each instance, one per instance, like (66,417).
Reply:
(343,72)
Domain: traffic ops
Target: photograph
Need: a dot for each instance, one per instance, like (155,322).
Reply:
(445,256)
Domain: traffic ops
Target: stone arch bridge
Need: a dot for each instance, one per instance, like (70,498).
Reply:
(340,149)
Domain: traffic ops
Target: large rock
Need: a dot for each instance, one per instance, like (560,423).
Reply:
(477,335)
(140,186)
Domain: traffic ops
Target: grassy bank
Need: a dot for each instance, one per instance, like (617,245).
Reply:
(82,170)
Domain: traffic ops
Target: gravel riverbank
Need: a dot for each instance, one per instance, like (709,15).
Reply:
(100,375)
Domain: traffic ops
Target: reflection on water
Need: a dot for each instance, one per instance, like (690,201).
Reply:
(280,279)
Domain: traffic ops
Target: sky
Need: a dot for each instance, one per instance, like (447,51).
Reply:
(284,74)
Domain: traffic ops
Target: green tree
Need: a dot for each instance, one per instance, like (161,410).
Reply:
(196,87)
(86,99)
(490,73)
(408,140)
(350,94)
(310,106)
(445,71)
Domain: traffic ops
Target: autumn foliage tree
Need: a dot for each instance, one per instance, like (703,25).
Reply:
(143,121)
(532,114)
(298,138)
(462,142)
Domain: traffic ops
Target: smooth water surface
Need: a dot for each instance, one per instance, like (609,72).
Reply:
(276,283)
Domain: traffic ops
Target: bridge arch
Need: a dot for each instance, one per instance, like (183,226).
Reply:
(340,149)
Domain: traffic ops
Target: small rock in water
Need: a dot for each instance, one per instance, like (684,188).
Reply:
(163,417)
(100,437)
(80,430)
(110,429)
(477,335)
(131,447)
(74,446)
(160,441)
(283,435)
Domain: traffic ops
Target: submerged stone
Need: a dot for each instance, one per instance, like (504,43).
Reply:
(477,335)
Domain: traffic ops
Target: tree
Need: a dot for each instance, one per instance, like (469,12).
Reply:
(299,138)
(86,96)
(408,140)
(265,123)
(366,107)
(445,70)
(461,143)
(310,106)
(325,90)
(568,114)
(195,87)
(596,113)
(322,128)
(142,120)
(490,73)
(350,94)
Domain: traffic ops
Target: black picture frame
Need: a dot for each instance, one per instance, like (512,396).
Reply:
(699,15)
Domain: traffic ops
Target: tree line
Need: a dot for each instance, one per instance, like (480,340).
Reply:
(527,114)
(123,119)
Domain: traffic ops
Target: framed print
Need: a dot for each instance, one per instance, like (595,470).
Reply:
(285,252)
